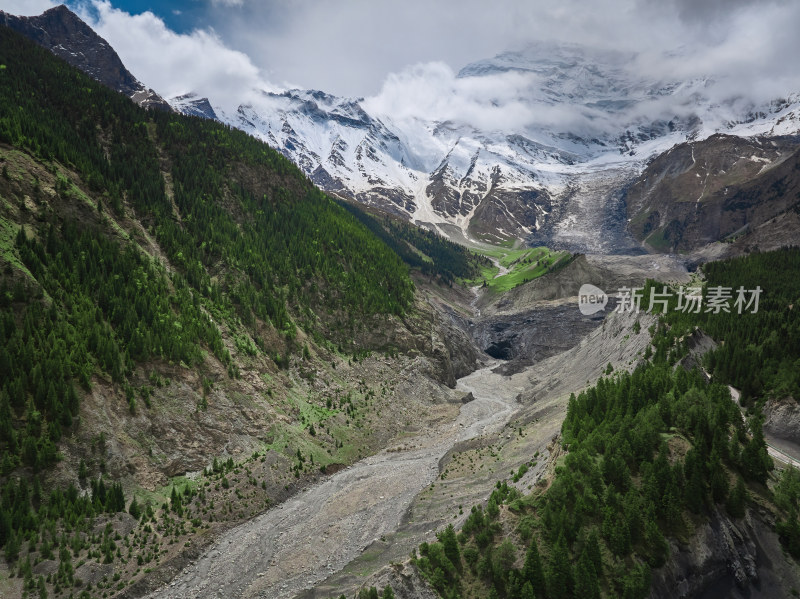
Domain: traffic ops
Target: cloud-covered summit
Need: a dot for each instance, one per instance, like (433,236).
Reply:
(588,69)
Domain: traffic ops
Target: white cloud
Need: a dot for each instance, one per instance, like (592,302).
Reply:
(349,47)
(174,63)
(498,102)
(736,58)
(26,8)
(405,55)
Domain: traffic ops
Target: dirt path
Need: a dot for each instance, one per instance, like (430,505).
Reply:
(321,530)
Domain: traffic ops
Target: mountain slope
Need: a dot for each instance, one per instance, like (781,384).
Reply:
(176,298)
(68,37)
(701,192)
(557,180)
(660,484)
(587,128)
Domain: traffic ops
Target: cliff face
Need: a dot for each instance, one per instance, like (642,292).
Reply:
(68,37)
(728,558)
(782,425)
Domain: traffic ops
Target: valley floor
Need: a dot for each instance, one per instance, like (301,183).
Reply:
(321,530)
(338,534)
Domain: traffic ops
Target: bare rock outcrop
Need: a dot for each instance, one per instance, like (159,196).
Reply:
(727,557)
(405,581)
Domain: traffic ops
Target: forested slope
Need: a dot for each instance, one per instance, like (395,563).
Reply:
(652,456)
(172,291)
(249,237)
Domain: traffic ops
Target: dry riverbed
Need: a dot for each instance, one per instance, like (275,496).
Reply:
(318,532)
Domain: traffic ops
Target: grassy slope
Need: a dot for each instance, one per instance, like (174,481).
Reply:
(523,265)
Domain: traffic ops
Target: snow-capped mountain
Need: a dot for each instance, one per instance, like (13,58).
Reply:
(588,127)
(538,145)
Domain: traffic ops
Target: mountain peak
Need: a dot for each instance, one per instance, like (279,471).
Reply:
(193,105)
(66,35)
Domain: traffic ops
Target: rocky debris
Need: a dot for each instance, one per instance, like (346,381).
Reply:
(540,394)
(121,523)
(468,398)
(45,567)
(614,342)
(93,572)
(346,514)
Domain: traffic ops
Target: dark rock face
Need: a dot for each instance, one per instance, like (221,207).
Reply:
(531,336)
(736,558)
(392,200)
(505,214)
(68,37)
(713,190)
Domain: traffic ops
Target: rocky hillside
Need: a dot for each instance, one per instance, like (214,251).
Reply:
(712,190)
(190,332)
(68,37)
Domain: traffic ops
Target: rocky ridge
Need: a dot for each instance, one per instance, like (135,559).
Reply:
(63,33)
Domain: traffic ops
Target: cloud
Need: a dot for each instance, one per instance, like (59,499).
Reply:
(507,101)
(173,63)
(404,56)
(362,48)
(735,55)
(348,48)
(26,8)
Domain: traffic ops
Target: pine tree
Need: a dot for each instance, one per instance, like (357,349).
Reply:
(656,544)
(736,499)
(560,580)
(586,585)
(719,483)
(450,544)
(789,533)
(13,543)
(593,550)
(532,569)
(527,592)
(134,509)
